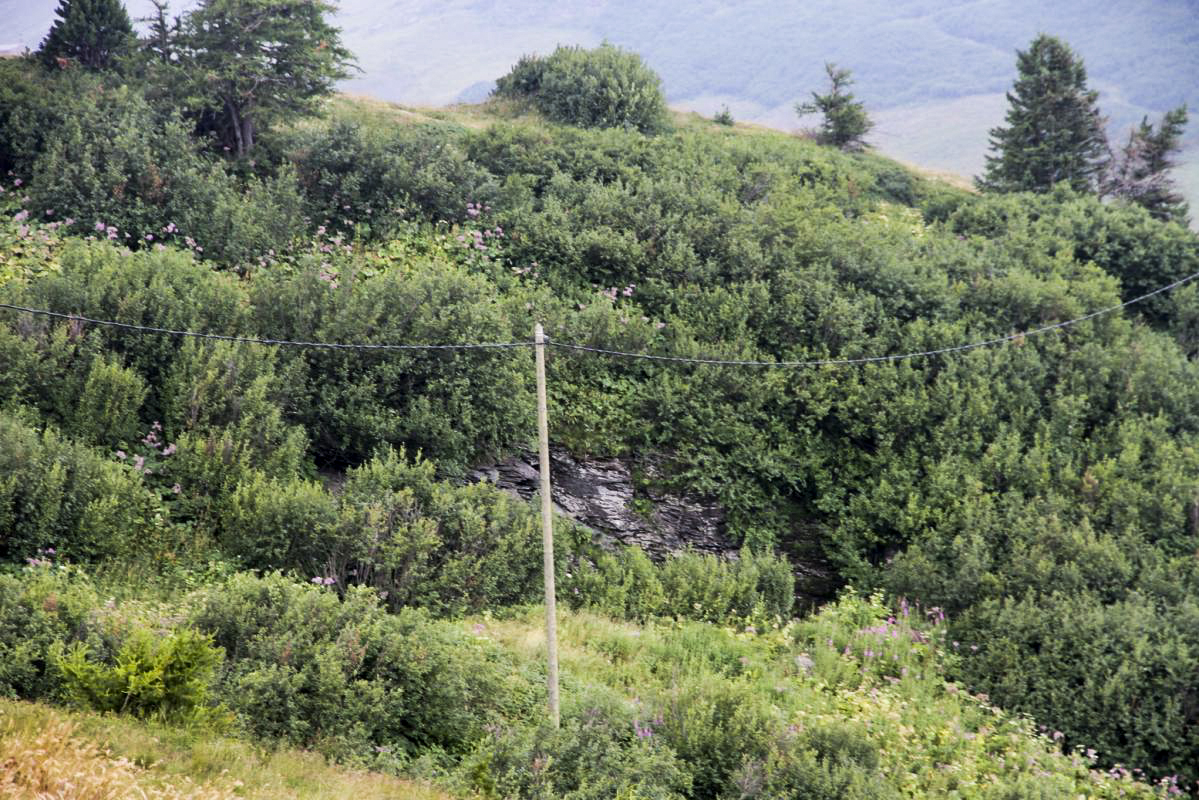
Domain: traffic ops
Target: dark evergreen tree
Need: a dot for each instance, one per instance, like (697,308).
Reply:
(1054,131)
(845,121)
(1141,173)
(251,62)
(93,33)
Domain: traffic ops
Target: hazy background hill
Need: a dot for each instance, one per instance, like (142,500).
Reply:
(933,72)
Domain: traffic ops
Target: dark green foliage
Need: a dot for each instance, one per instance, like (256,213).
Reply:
(605,87)
(93,33)
(452,406)
(1054,131)
(393,527)
(362,176)
(253,63)
(845,123)
(31,106)
(723,117)
(1117,677)
(1140,174)
(115,169)
(827,763)
(152,675)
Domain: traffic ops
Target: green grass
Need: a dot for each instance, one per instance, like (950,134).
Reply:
(852,664)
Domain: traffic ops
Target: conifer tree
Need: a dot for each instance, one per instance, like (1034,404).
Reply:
(1141,173)
(1054,131)
(252,62)
(845,121)
(93,33)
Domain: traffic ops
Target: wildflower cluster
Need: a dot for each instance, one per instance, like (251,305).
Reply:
(44,558)
(152,460)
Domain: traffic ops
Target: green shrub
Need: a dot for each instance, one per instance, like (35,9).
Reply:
(271,523)
(604,87)
(1115,678)
(625,583)
(455,407)
(153,675)
(58,494)
(107,409)
(305,666)
(361,175)
(828,762)
(41,610)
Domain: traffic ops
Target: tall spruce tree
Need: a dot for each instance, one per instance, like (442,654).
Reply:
(1054,130)
(93,33)
(1140,174)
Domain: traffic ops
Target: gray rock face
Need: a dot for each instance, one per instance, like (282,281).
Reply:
(601,494)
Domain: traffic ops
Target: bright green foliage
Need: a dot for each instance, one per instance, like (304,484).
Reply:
(980,481)
(605,87)
(1140,174)
(92,33)
(1054,131)
(152,675)
(758,589)
(253,63)
(851,703)
(845,122)
(600,751)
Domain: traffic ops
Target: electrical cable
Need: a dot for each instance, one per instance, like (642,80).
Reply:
(608,352)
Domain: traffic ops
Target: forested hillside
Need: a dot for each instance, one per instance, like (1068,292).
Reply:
(282,539)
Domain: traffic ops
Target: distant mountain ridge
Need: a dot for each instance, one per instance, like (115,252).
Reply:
(932,72)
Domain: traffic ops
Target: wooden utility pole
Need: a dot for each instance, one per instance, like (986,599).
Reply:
(547,523)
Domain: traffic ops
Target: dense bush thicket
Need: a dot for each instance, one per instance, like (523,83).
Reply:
(1044,485)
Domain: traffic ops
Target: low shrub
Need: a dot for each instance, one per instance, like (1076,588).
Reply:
(604,87)
(601,751)
(308,667)
(57,494)
(42,609)
(153,675)
(753,589)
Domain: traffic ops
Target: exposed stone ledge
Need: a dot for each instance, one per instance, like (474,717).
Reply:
(600,494)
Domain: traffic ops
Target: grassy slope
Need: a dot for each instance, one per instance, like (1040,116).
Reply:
(47,752)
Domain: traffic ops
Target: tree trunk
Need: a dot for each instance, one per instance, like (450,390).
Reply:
(247,134)
(235,121)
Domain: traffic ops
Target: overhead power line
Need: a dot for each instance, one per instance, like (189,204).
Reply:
(255,340)
(823,362)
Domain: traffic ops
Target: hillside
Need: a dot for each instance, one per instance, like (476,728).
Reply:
(933,74)
(958,436)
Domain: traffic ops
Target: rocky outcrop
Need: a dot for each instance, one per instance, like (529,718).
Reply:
(601,494)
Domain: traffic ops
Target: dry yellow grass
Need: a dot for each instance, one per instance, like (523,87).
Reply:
(57,763)
(49,754)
